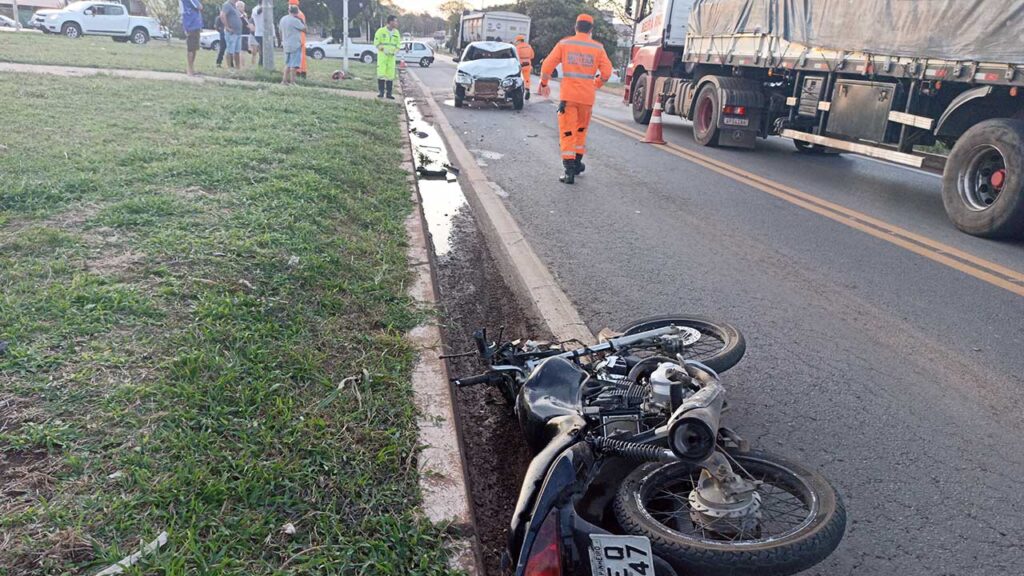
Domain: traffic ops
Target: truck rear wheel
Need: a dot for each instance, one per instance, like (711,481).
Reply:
(140,36)
(641,114)
(706,115)
(983,184)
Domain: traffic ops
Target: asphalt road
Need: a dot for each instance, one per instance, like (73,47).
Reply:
(885,348)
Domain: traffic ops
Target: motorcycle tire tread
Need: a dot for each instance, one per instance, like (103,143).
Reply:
(735,343)
(778,560)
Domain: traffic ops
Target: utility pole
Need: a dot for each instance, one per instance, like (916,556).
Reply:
(344,37)
(17,18)
(269,35)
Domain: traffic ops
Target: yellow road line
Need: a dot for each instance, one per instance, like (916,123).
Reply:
(979,268)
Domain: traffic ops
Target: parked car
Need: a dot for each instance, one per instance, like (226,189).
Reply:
(209,40)
(416,53)
(332,48)
(489,71)
(98,19)
(6,22)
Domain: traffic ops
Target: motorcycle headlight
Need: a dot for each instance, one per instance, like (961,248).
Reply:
(691,439)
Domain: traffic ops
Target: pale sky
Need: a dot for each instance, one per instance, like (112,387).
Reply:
(432,5)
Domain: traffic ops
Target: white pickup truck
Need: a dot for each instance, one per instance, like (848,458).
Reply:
(98,19)
(332,48)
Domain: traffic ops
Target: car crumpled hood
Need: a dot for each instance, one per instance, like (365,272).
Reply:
(491,68)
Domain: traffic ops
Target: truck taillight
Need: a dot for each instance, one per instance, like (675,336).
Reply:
(546,553)
(735,110)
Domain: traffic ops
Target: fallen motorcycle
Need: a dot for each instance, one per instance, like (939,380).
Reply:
(634,474)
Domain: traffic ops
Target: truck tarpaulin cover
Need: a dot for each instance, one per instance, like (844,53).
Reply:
(974,30)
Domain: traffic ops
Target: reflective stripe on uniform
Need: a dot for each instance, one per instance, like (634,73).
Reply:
(578,75)
(582,43)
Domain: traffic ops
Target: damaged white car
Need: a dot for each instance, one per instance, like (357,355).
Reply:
(489,71)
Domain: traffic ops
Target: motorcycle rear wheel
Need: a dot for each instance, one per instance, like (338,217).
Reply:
(802,522)
(720,347)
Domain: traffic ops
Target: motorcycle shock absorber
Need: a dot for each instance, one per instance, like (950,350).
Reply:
(632,450)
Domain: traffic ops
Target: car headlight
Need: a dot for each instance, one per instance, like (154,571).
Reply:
(463,78)
(511,81)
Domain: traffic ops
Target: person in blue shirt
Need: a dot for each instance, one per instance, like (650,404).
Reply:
(192,23)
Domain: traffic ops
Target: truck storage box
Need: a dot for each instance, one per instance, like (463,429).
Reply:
(965,30)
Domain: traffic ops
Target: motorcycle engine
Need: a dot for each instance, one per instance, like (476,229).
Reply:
(670,385)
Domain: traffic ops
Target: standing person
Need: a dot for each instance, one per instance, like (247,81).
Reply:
(192,24)
(232,32)
(526,56)
(581,58)
(303,69)
(218,24)
(292,32)
(246,32)
(387,40)
(257,34)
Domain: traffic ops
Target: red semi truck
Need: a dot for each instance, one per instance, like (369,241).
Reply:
(879,78)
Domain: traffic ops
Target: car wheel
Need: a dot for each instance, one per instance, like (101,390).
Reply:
(368,58)
(71,30)
(140,36)
(317,54)
(424,62)
(460,96)
(215,46)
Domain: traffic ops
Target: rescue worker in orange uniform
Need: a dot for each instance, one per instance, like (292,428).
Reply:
(582,58)
(526,56)
(303,68)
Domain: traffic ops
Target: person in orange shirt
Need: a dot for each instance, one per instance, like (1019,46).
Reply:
(301,73)
(526,56)
(585,68)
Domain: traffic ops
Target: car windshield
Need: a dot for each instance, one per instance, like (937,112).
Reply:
(476,53)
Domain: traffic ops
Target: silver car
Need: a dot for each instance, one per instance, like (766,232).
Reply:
(489,71)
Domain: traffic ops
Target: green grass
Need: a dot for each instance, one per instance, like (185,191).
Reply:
(158,55)
(202,292)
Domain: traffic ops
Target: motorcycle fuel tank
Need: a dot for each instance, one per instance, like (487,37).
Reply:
(552,390)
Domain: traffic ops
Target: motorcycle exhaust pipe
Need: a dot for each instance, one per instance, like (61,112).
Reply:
(693,428)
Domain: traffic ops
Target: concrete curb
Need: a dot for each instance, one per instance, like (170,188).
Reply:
(441,464)
(80,71)
(525,273)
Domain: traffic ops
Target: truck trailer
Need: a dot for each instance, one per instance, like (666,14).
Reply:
(495,26)
(879,78)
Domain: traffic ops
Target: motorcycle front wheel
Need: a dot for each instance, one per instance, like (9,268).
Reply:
(802,518)
(720,345)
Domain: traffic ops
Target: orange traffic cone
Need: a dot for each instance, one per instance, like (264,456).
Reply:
(654,133)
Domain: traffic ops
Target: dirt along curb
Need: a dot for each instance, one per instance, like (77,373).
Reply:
(441,462)
(81,71)
(524,272)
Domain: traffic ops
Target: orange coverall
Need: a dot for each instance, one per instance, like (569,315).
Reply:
(581,58)
(526,56)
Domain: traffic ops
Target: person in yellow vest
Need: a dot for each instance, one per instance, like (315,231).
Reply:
(526,56)
(301,73)
(387,40)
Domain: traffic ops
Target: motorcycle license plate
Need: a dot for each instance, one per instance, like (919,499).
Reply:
(620,555)
(730,121)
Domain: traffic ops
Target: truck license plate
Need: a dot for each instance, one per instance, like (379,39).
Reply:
(730,121)
(620,555)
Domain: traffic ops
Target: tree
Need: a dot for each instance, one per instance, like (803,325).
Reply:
(552,20)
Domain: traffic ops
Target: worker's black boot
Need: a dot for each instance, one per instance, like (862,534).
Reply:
(580,166)
(381,83)
(570,172)
(391,88)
